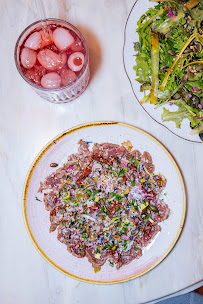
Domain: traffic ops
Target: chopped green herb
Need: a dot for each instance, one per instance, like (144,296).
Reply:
(123,171)
(88,192)
(110,263)
(132,159)
(137,163)
(132,184)
(101,211)
(119,224)
(37,199)
(135,248)
(146,216)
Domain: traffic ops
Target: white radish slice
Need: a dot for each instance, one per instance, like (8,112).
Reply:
(51,81)
(34,41)
(62,39)
(50,60)
(28,58)
(77,46)
(67,76)
(76,61)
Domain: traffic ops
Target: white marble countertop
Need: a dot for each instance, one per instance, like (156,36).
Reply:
(28,122)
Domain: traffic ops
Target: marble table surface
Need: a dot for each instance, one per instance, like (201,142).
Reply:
(27,123)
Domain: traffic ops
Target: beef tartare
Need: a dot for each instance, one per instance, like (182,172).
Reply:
(105,203)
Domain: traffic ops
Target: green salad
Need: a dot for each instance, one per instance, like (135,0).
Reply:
(169,60)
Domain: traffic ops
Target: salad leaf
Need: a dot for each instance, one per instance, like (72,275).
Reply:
(176,116)
(165,27)
(176,60)
(143,67)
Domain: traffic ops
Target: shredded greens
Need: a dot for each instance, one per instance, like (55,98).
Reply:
(169,60)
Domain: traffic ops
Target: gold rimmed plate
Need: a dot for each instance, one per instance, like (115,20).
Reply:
(37,218)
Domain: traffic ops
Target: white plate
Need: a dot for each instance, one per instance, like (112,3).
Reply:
(37,218)
(131,36)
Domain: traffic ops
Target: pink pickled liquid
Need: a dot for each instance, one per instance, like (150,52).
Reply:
(45,77)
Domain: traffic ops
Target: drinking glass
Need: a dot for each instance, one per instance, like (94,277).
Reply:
(66,93)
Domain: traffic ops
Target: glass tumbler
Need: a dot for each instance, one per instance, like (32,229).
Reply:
(66,93)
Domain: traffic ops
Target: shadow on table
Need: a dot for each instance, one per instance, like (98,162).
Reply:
(95,51)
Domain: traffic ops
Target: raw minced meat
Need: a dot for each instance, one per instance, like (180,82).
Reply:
(105,203)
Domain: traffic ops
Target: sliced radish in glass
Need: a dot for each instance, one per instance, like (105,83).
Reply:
(67,76)
(62,39)
(76,61)
(77,46)
(51,81)
(34,74)
(34,41)
(28,58)
(50,60)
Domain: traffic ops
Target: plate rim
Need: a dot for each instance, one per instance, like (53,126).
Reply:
(161,124)
(53,142)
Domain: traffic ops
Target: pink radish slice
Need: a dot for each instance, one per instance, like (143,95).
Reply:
(76,61)
(51,81)
(34,74)
(62,39)
(28,58)
(77,46)
(50,60)
(67,76)
(34,41)
(62,60)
